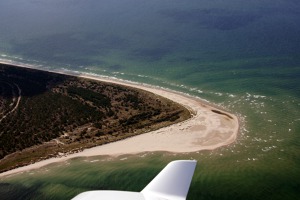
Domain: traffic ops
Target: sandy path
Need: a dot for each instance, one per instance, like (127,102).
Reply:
(18,101)
(205,130)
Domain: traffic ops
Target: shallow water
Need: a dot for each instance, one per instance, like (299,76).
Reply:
(240,55)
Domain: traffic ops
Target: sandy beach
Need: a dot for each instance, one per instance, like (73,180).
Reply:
(207,129)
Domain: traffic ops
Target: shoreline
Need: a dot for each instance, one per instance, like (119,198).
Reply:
(209,127)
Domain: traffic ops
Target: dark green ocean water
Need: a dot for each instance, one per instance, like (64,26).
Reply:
(241,55)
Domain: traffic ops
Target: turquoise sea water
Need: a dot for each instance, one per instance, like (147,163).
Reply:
(241,55)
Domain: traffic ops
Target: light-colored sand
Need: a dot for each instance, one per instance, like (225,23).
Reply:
(206,130)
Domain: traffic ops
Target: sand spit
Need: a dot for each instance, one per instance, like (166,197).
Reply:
(207,129)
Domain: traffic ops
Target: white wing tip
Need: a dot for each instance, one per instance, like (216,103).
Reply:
(173,181)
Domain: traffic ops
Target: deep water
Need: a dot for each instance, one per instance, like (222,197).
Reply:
(240,55)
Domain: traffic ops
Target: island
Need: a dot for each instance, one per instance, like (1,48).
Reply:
(49,117)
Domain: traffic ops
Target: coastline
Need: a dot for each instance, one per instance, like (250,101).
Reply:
(207,129)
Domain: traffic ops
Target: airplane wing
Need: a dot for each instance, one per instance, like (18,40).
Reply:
(172,183)
(109,195)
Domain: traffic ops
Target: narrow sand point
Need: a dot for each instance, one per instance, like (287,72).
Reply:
(207,129)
